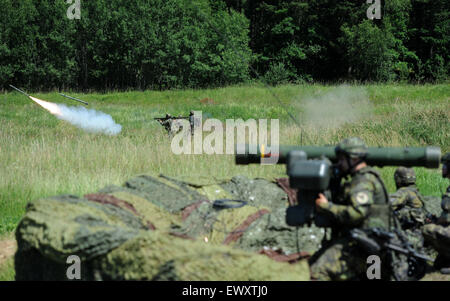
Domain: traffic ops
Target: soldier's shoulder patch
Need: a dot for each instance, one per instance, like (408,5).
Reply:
(362,198)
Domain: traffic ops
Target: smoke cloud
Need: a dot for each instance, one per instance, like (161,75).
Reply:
(343,104)
(90,120)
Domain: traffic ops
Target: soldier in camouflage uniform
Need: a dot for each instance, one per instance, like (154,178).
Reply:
(438,235)
(167,123)
(407,202)
(341,258)
(173,125)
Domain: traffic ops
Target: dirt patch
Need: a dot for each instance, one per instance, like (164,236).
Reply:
(208,101)
(7,249)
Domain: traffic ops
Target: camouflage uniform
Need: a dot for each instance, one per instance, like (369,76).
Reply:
(171,123)
(167,123)
(342,259)
(438,235)
(407,202)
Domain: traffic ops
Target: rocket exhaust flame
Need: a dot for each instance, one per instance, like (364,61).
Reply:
(51,107)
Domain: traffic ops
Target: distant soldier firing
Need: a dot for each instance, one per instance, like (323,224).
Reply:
(173,125)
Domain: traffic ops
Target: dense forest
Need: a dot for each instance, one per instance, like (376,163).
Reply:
(166,44)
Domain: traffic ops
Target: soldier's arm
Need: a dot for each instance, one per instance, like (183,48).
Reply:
(398,200)
(445,204)
(360,199)
(444,219)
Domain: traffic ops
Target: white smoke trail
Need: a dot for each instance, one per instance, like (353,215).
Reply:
(89,120)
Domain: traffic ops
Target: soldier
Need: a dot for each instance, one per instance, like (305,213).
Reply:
(341,259)
(407,202)
(192,120)
(438,235)
(170,123)
(166,122)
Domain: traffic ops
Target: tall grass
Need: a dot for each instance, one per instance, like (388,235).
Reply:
(41,156)
(7,272)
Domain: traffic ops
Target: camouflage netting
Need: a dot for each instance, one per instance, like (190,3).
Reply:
(156,228)
(192,198)
(158,256)
(251,228)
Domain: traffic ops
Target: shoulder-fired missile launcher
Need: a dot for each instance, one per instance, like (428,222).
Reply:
(311,172)
(428,157)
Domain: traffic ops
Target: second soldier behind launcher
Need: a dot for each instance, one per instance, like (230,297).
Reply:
(407,202)
(438,234)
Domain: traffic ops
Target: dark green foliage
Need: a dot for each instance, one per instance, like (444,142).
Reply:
(35,47)
(429,35)
(157,44)
(117,45)
(378,52)
(167,44)
(369,52)
(277,74)
(334,40)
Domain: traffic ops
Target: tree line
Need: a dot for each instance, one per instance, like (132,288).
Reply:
(165,44)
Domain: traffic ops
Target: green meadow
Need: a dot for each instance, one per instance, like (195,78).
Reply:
(41,156)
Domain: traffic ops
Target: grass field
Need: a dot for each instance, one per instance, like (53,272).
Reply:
(43,156)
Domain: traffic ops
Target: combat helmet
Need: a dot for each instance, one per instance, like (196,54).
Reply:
(352,147)
(404,176)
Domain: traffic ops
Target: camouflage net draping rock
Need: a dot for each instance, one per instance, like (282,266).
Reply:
(161,228)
